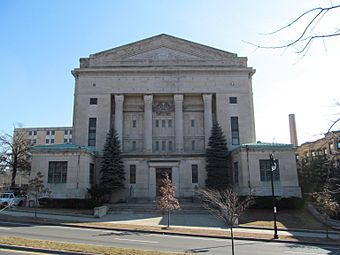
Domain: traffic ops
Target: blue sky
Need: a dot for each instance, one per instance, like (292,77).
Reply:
(42,41)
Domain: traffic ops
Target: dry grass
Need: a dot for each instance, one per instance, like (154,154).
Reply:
(286,219)
(77,247)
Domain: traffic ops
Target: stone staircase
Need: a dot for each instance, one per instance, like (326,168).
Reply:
(150,206)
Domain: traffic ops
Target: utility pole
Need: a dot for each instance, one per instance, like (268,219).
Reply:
(273,168)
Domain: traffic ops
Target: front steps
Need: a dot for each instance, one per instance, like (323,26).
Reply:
(150,206)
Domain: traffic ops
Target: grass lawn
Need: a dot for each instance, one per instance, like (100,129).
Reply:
(77,247)
(300,219)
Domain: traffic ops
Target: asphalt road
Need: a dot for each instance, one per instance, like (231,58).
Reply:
(158,242)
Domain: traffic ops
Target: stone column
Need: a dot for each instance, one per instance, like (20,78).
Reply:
(178,122)
(152,182)
(176,180)
(119,118)
(148,123)
(207,99)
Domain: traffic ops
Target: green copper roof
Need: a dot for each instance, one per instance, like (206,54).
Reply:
(63,147)
(262,146)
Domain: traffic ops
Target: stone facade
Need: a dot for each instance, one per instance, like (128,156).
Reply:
(162,95)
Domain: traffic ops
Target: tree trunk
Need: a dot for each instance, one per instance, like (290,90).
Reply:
(168,218)
(232,241)
(14,174)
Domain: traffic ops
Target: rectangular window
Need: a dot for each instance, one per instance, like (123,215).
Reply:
(134,123)
(266,170)
(34,141)
(192,123)
(235,137)
(34,132)
(52,140)
(157,145)
(92,132)
(169,123)
(194,173)
(57,172)
(65,132)
(134,145)
(163,123)
(157,123)
(29,132)
(235,167)
(93,100)
(163,145)
(193,145)
(48,132)
(52,132)
(91,174)
(232,100)
(170,145)
(70,131)
(70,140)
(132,174)
(47,141)
(65,140)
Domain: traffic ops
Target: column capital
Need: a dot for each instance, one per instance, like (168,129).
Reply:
(178,98)
(119,98)
(207,97)
(148,98)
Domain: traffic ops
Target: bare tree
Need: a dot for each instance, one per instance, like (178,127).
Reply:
(326,204)
(37,188)
(312,29)
(225,205)
(167,201)
(15,153)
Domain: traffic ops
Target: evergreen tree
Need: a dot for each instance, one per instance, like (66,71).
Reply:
(217,158)
(112,168)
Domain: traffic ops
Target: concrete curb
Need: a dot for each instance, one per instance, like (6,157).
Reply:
(42,222)
(31,249)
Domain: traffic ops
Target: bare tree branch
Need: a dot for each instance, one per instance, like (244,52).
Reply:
(308,33)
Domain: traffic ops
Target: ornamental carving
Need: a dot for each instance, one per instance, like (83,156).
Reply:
(163,108)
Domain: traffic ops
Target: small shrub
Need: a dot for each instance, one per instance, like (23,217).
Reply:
(281,203)
(71,203)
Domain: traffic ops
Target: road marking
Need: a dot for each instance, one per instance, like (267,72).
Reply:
(79,229)
(302,252)
(25,252)
(137,241)
(5,228)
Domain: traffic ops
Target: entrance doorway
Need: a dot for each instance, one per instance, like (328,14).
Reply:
(160,175)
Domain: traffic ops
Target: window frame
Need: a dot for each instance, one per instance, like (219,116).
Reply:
(265,170)
(132,174)
(194,173)
(232,100)
(93,100)
(235,130)
(57,172)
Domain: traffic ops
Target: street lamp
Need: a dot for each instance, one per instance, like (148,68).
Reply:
(273,168)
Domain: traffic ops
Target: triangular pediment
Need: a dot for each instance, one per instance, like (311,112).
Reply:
(161,49)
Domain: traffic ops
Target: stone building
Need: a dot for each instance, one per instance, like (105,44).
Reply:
(47,135)
(161,94)
(328,146)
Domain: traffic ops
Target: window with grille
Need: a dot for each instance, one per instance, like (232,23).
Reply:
(132,174)
(235,136)
(194,173)
(92,132)
(266,170)
(57,172)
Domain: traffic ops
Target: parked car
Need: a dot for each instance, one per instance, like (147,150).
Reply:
(8,198)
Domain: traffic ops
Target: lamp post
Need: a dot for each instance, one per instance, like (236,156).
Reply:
(273,168)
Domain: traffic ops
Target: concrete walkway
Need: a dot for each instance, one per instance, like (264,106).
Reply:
(203,222)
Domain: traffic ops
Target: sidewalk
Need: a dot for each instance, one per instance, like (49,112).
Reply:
(181,224)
